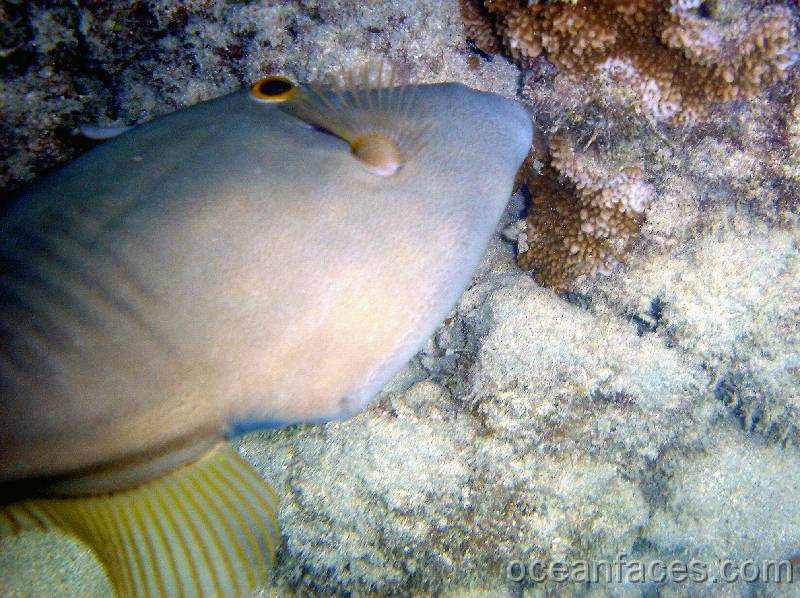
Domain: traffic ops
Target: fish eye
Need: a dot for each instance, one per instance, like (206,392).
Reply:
(272,89)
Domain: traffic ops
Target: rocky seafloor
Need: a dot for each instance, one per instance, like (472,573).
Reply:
(654,412)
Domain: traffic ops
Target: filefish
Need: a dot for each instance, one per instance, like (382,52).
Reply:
(265,258)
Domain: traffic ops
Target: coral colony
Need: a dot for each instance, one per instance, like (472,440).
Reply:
(676,60)
(585,225)
(678,56)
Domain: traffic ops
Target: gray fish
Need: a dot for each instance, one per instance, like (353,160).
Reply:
(266,258)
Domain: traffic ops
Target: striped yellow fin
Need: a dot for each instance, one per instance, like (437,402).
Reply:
(206,529)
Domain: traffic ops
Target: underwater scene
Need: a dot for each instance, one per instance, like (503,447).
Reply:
(422,298)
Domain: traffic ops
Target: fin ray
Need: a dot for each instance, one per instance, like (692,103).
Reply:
(205,529)
(218,521)
(162,539)
(207,572)
(230,511)
(361,104)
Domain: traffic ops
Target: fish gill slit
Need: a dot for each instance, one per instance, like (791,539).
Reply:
(15,372)
(91,246)
(67,255)
(42,361)
(27,285)
(81,267)
(28,322)
(18,317)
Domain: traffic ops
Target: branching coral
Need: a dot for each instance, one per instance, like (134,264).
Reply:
(478,27)
(679,56)
(582,222)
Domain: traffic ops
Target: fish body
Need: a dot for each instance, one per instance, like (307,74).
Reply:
(226,267)
(229,264)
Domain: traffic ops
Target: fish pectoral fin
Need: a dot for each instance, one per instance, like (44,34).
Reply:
(375,114)
(205,529)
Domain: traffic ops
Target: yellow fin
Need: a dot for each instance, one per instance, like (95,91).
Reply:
(205,529)
(369,110)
